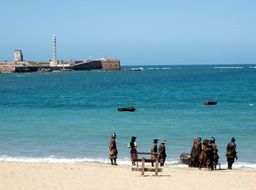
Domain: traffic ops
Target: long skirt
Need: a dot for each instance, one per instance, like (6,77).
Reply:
(134,154)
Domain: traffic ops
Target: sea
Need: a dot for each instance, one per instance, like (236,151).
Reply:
(69,116)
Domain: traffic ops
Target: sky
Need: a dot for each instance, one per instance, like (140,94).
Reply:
(164,32)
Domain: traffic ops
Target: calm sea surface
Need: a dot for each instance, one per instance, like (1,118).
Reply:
(69,116)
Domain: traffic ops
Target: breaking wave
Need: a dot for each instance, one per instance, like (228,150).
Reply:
(228,67)
(124,161)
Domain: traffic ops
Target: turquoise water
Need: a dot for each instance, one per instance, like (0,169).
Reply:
(69,116)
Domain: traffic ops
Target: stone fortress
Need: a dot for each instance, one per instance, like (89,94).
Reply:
(20,65)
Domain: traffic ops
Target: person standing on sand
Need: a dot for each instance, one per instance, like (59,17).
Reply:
(193,154)
(231,153)
(203,154)
(215,155)
(162,153)
(133,151)
(113,149)
(209,155)
(198,149)
(154,152)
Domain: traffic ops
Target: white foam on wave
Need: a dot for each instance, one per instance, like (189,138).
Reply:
(124,161)
(137,69)
(53,159)
(50,159)
(175,164)
(245,165)
(228,67)
(166,68)
(158,68)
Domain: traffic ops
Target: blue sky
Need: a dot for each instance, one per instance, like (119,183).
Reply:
(136,32)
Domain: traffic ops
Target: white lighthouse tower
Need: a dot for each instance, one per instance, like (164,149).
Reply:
(54,60)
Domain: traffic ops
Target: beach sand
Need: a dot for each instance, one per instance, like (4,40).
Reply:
(94,176)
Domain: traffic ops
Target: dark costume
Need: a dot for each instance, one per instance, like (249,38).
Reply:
(209,157)
(195,152)
(198,148)
(162,154)
(154,155)
(215,156)
(113,150)
(203,154)
(193,155)
(133,151)
(231,153)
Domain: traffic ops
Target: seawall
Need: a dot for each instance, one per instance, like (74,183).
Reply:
(34,66)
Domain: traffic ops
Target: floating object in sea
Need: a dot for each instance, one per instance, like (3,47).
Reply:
(185,158)
(210,102)
(137,69)
(130,109)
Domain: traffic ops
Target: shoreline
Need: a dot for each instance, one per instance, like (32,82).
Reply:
(17,175)
(122,162)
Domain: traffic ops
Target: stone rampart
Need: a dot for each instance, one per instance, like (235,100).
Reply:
(7,68)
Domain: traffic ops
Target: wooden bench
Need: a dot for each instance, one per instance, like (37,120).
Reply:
(144,169)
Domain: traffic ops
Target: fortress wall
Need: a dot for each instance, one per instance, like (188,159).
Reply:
(110,64)
(95,64)
(104,64)
(7,68)
(32,66)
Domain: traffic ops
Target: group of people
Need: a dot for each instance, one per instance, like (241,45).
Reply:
(157,153)
(205,154)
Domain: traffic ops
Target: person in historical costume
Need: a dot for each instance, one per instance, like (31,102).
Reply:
(195,152)
(154,152)
(113,149)
(231,152)
(198,149)
(215,156)
(203,154)
(133,149)
(162,153)
(209,155)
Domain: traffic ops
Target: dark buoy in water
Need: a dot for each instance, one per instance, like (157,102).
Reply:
(129,109)
(210,102)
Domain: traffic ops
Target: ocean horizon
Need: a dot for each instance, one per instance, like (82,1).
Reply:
(68,117)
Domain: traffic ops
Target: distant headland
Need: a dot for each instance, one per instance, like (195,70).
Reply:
(21,65)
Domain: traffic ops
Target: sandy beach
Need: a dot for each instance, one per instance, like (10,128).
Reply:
(15,175)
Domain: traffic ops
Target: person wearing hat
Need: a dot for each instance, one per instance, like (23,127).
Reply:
(133,149)
(162,153)
(215,155)
(231,153)
(203,154)
(198,149)
(154,153)
(113,149)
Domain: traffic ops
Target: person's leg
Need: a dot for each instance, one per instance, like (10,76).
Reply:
(230,163)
